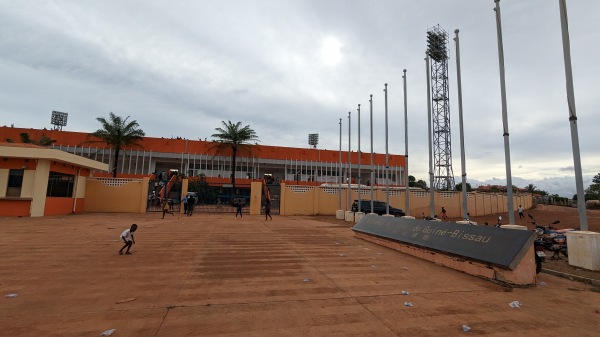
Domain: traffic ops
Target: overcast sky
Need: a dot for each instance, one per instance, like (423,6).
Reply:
(290,68)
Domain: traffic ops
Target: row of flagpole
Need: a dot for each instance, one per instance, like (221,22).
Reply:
(572,121)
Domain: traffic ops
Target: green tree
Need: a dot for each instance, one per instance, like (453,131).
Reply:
(421,184)
(413,182)
(458,187)
(206,193)
(44,140)
(233,138)
(531,188)
(593,191)
(117,133)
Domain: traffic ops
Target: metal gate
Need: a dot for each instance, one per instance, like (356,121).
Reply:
(275,192)
(173,198)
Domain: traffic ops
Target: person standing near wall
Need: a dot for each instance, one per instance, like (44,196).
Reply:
(190,205)
(268,210)
(185,204)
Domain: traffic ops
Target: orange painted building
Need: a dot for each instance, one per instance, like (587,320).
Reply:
(38,181)
(193,157)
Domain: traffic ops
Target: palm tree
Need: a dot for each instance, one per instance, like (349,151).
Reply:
(531,188)
(117,133)
(236,138)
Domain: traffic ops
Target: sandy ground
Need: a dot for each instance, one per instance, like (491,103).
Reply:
(215,275)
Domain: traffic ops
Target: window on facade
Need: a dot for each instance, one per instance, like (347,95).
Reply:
(15,182)
(60,185)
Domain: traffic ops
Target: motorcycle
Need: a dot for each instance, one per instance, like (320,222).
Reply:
(550,239)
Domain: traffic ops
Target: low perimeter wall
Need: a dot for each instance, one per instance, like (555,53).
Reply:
(326,200)
(116,195)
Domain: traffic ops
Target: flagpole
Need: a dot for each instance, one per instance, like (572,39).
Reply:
(431,191)
(372,165)
(349,169)
(509,191)
(359,172)
(340,169)
(407,193)
(462,134)
(583,223)
(387,162)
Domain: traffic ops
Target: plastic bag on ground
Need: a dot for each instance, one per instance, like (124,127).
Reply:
(108,332)
(515,304)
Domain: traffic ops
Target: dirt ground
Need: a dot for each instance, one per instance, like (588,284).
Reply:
(215,275)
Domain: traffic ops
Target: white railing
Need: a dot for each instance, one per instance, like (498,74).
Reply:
(115,181)
(300,188)
(420,193)
(331,190)
(447,194)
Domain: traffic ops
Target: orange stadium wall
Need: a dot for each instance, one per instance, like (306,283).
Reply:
(70,138)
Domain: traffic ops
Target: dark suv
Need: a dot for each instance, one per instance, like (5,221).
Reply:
(379,207)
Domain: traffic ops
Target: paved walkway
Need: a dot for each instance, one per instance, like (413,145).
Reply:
(215,275)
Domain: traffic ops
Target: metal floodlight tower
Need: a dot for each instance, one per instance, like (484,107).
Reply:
(313,139)
(59,119)
(437,41)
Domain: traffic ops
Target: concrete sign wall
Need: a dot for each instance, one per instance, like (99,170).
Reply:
(502,247)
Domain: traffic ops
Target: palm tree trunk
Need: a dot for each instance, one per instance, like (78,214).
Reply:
(117,150)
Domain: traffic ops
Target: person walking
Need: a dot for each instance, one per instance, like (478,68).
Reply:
(127,237)
(166,208)
(444,217)
(520,210)
(499,221)
(268,210)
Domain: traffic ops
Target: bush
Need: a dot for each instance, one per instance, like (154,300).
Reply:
(592,204)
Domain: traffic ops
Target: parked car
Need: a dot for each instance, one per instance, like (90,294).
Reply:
(379,207)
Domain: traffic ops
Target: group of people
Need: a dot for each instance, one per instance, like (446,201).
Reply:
(188,204)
